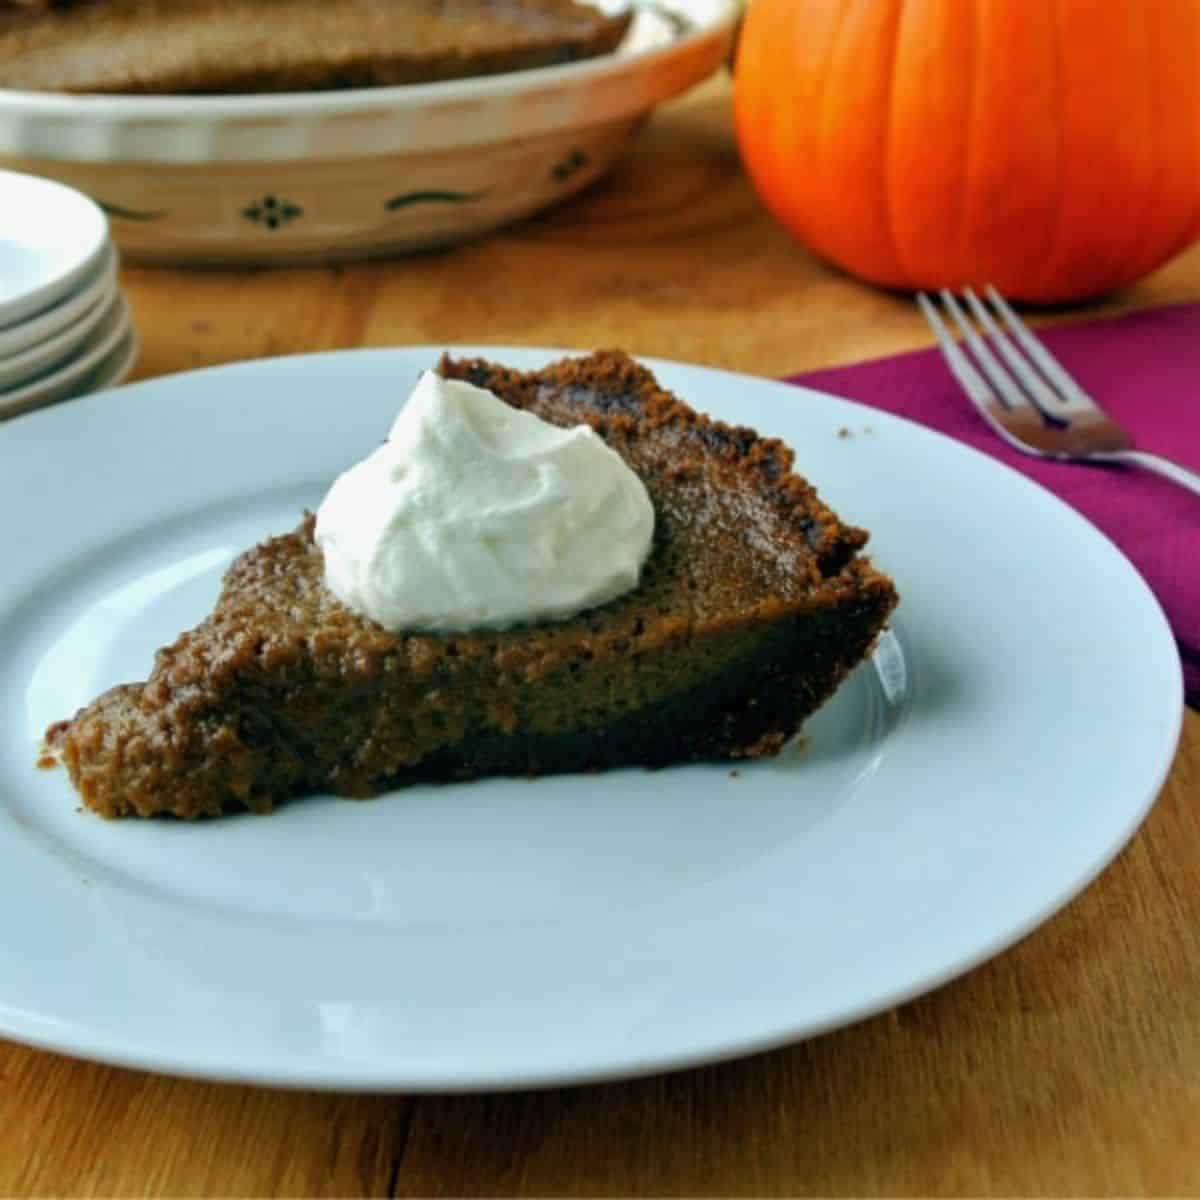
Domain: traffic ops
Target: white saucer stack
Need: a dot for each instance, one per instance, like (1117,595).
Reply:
(64,325)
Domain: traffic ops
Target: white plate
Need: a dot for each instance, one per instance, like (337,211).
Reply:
(326,175)
(115,367)
(51,236)
(95,287)
(70,378)
(45,356)
(511,933)
(112,369)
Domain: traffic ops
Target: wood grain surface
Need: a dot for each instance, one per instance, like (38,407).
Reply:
(1070,1065)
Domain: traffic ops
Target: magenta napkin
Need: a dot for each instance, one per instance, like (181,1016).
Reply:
(1145,370)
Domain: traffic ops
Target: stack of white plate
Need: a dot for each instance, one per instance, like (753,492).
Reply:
(64,325)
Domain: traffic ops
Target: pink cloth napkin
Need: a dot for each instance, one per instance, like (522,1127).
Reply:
(1144,369)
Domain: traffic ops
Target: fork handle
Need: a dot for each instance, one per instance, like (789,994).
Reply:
(1160,466)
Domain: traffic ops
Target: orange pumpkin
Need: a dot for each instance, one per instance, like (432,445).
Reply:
(1051,147)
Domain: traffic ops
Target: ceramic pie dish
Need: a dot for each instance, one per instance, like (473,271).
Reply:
(321,176)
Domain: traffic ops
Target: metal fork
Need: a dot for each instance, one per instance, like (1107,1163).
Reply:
(1034,405)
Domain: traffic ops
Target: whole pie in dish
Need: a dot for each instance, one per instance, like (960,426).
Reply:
(753,605)
(243,46)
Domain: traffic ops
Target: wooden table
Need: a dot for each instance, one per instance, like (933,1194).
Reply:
(1069,1065)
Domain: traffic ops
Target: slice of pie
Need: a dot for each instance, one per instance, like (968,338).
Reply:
(239,46)
(753,606)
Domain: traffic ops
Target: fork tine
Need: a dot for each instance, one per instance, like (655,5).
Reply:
(960,366)
(969,379)
(1076,398)
(1010,393)
(1044,397)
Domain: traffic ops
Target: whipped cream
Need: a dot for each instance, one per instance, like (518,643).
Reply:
(474,514)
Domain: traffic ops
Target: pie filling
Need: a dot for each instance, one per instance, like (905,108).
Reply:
(168,47)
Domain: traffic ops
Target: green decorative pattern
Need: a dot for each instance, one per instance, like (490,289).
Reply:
(405,199)
(575,161)
(272,212)
(130,214)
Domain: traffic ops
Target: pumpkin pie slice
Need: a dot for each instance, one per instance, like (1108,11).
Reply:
(243,46)
(754,604)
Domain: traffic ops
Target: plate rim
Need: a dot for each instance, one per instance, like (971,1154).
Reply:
(60,315)
(95,347)
(116,365)
(87,214)
(357,1076)
(56,349)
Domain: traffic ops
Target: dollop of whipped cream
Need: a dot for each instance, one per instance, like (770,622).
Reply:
(474,514)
